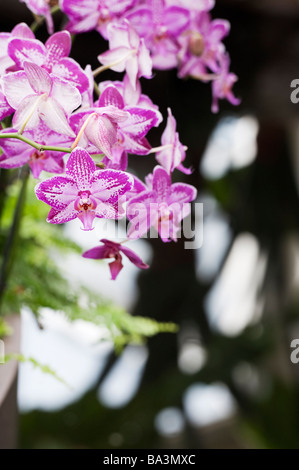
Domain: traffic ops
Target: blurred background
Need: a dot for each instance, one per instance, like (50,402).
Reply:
(226,379)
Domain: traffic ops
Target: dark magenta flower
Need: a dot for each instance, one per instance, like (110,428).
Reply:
(112,250)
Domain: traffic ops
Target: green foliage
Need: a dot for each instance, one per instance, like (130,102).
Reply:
(44,368)
(5,329)
(123,327)
(36,282)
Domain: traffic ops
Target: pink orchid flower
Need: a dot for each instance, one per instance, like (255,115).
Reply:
(38,96)
(163,206)
(113,127)
(53,57)
(127,51)
(201,46)
(84,192)
(160,25)
(112,250)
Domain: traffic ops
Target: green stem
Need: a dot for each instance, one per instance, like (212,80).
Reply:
(16,135)
(12,238)
(40,19)
(96,88)
(102,68)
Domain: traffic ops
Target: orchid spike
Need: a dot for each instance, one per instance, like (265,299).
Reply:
(84,192)
(110,250)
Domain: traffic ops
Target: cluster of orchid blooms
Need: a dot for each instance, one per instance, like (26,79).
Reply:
(51,121)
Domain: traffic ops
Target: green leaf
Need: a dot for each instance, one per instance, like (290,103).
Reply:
(44,368)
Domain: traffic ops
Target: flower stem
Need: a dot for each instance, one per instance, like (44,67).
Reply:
(96,88)
(102,68)
(16,135)
(40,19)
(12,238)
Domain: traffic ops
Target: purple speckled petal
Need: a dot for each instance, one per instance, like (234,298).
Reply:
(21,50)
(138,147)
(57,46)
(182,193)
(65,215)
(80,167)
(109,211)
(109,185)
(111,97)
(58,192)
(70,70)
(139,122)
